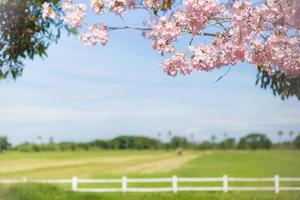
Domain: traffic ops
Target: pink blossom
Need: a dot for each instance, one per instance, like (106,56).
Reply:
(196,14)
(278,52)
(163,34)
(261,33)
(176,64)
(74,13)
(96,34)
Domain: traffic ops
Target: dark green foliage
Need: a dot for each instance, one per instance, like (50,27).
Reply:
(178,142)
(4,144)
(297,142)
(206,145)
(134,142)
(228,143)
(280,84)
(24,34)
(252,141)
(255,141)
(122,142)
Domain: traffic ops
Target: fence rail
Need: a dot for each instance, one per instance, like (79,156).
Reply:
(174,184)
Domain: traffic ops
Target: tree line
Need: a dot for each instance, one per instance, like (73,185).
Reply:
(251,141)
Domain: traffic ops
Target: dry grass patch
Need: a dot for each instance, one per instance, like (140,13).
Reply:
(157,165)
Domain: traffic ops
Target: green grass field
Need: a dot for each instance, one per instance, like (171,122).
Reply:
(104,164)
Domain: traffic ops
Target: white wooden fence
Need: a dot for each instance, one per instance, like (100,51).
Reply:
(174,184)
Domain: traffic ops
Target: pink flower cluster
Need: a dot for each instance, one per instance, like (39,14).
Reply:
(278,52)
(73,13)
(196,13)
(176,64)
(248,39)
(96,34)
(163,34)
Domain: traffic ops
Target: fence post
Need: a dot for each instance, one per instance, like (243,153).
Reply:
(276,181)
(124,184)
(225,183)
(74,183)
(174,184)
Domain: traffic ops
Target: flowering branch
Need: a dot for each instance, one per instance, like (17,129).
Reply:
(264,34)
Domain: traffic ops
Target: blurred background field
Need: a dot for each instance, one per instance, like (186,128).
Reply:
(158,164)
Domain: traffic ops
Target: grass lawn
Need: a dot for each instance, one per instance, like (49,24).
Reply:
(99,164)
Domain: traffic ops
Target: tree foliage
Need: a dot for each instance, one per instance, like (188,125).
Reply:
(134,142)
(279,83)
(228,143)
(297,142)
(179,142)
(24,34)
(4,144)
(255,141)
(251,141)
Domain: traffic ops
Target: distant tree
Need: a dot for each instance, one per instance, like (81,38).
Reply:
(228,143)
(159,135)
(280,134)
(28,147)
(255,141)
(205,145)
(51,140)
(134,142)
(192,140)
(225,140)
(4,144)
(170,134)
(297,142)
(291,134)
(101,144)
(213,138)
(40,139)
(192,137)
(179,142)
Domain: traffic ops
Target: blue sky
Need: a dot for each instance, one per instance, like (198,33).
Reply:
(81,93)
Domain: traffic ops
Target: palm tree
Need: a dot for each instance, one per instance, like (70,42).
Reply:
(225,135)
(225,140)
(159,138)
(192,137)
(170,135)
(280,134)
(213,138)
(291,133)
(40,138)
(159,135)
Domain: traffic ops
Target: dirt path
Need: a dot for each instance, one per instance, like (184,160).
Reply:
(15,165)
(158,166)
